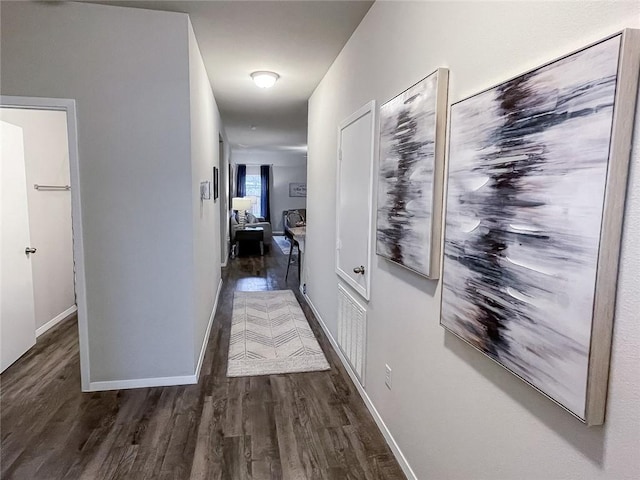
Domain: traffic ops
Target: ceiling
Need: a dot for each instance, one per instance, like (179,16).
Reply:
(297,39)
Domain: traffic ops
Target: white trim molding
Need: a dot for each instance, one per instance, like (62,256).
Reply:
(56,320)
(69,106)
(367,109)
(205,341)
(142,383)
(402,460)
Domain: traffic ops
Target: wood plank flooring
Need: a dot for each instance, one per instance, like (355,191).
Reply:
(294,426)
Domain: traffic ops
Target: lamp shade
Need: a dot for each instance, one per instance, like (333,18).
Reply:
(241,203)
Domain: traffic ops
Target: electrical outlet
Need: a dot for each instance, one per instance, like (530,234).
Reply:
(387,376)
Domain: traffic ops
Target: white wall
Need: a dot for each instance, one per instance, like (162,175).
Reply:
(287,167)
(205,128)
(46,150)
(128,70)
(453,412)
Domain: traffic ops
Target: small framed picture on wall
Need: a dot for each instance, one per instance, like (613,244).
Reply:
(216,175)
(297,189)
(205,190)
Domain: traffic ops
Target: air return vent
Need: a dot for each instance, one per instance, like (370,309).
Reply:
(352,328)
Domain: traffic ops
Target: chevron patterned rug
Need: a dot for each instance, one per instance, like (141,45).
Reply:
(270,335)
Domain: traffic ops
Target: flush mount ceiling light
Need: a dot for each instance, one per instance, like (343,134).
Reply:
(265,79)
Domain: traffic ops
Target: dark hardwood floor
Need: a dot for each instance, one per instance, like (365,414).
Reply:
(293,426)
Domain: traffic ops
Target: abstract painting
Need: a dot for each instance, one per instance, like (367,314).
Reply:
(525,211)
(410,175)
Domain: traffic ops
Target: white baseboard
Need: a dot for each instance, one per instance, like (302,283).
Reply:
(142,383)
(404,464)
(56,320)
(162,381)
(205,341)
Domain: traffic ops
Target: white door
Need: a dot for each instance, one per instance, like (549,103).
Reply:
(354,198)
(17,315)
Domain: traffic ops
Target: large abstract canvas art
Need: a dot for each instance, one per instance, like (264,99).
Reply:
(534,209)
(412,129)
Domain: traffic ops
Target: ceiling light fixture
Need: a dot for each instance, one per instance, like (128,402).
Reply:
(265,79)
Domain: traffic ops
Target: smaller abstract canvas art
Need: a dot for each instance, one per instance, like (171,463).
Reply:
(410,175)
(535,199)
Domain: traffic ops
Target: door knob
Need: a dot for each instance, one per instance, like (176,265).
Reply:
(359,269)
(29,250)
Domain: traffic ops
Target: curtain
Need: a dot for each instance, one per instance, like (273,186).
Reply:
(265,180)
(241,176)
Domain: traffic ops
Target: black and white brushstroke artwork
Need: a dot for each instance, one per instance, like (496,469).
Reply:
(527,174)
(406,176)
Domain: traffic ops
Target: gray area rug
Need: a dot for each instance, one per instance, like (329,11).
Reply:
(270,335)
(283,244)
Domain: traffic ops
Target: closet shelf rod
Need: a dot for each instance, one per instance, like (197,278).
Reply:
(52,187)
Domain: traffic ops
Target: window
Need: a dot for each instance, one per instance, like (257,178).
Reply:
(253,187)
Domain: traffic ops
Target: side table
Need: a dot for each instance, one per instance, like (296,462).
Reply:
(250,234)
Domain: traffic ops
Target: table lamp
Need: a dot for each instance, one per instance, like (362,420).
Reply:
(241,204)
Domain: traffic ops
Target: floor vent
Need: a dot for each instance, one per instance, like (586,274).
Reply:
(352,328)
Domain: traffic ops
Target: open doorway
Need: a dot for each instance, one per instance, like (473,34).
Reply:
(223,202)
(43,280)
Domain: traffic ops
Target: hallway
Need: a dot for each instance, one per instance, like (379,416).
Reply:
(294,426)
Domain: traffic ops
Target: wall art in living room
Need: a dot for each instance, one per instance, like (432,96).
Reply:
(536,187)
(297,189)
(410,175)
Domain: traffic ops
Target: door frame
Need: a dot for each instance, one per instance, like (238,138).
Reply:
(68,106)
(367,108)
(223,200)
